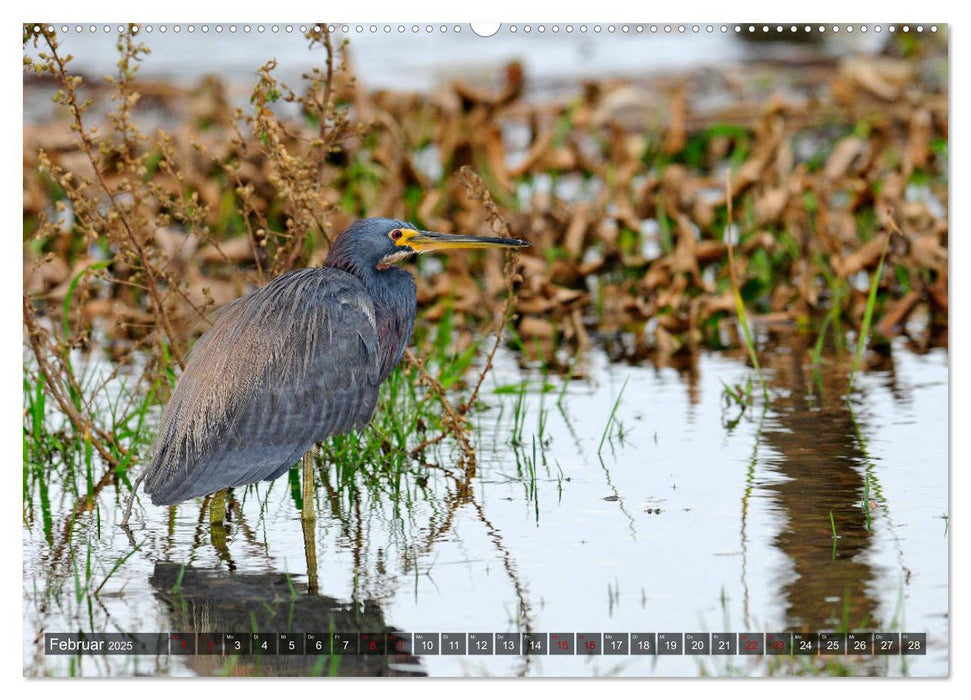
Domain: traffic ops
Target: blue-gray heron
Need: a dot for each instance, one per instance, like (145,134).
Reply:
(292,363)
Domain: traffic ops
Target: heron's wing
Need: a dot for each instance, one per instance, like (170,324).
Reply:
(280,369)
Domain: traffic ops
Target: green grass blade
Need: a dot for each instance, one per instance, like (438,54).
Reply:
(610,420)
(871,302)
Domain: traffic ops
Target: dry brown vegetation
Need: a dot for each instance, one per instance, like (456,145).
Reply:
(137,236)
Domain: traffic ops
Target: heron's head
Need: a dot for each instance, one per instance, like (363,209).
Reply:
(377,244)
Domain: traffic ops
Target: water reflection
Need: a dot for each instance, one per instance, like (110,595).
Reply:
(825,489)
(581,524)
(202,600)
(812,436)
(357,514)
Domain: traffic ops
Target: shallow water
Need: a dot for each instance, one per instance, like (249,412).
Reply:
(686,518)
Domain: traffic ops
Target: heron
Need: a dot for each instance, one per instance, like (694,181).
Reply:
(293,363)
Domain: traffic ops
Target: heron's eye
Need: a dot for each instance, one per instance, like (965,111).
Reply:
(396,234)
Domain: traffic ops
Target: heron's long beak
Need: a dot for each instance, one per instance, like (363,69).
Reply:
(425,241)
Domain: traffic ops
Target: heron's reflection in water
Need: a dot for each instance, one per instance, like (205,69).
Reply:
(216,601)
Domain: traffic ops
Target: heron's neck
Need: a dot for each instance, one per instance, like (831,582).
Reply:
(390,287)
(393,294)
(392,291)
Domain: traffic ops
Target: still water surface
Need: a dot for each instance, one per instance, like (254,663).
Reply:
(682,520)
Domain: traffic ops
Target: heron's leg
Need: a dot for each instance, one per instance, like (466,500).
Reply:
(217,508)
(310,553)
(308,519)
(308,514)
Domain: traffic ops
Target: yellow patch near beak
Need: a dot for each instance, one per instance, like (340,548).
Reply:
(407,234)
